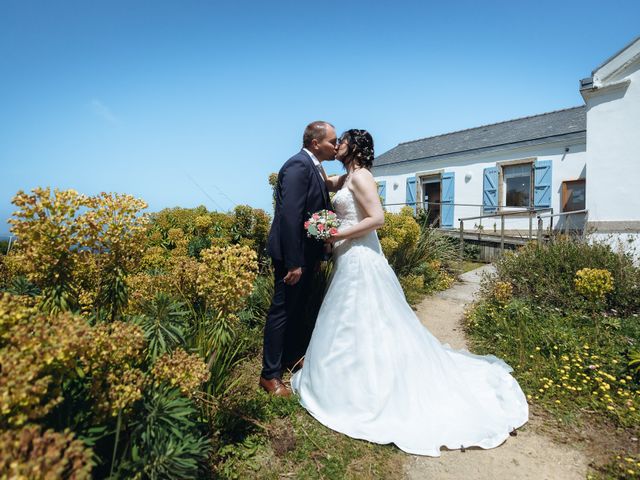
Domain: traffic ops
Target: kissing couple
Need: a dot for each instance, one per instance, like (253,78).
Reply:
(371,370)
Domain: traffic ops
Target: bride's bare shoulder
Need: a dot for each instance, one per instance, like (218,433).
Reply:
(362,178)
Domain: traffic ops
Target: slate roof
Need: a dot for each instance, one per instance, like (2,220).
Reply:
(519,132)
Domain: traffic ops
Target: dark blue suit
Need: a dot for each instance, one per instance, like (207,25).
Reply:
(300,191)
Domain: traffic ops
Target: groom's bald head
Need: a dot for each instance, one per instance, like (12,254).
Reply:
(317,130)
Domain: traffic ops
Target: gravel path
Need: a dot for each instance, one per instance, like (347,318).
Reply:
(529,455)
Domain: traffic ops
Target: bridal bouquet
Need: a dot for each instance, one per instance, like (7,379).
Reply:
(322,225)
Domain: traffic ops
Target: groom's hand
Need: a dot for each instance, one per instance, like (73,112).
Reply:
(292,276)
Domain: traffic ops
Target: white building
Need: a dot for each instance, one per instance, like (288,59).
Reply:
(612,97)
(533,163)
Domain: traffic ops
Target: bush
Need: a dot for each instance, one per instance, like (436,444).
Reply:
(167,441)
(191,230)
(423,258)
(122,331)
(33,453)
(76,247)
(565,315)
(545,273)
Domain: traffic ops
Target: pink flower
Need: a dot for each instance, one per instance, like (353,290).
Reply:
(315,216)
(306,224)
(320,227)
(333,231)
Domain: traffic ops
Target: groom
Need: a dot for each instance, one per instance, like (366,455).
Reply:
(300,191)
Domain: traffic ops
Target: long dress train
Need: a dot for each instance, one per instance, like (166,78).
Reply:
(372,371)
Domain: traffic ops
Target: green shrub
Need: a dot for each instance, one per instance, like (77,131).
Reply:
(167,442)
(424,258)
(163,323)
(565,315)
(561,361)
(545,274)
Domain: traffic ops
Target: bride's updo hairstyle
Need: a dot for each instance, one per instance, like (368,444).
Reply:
(360,144)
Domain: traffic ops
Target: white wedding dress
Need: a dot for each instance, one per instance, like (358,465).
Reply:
(373,372)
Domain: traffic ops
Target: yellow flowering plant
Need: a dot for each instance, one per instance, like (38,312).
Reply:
(34,453)
(36,351)
(502,292)
(112,360)
(48,239)
(77,248)
(226,277)
(400,232)
(178,368)
(594,284)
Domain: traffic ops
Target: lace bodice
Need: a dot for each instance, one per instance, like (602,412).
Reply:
(350,213)
(345,207)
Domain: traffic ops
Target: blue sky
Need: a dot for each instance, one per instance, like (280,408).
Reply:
(195,102)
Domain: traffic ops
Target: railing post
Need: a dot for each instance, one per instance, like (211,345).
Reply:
(539,230)
(530,224)
(502,234)
(461,239)
(586,223)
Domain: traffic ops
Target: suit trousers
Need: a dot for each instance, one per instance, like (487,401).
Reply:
(287,330)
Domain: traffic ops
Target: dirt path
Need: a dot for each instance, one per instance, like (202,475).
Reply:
(532,454)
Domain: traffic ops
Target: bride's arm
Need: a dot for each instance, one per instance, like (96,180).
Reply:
(334,182)
(365,191)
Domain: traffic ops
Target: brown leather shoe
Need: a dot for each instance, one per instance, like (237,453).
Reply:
(295,366)
(274,386)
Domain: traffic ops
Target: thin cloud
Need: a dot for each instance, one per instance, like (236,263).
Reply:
(102,111)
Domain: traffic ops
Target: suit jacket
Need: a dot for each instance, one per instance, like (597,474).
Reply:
(300,192)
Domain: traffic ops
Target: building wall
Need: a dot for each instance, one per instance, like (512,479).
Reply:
(628,243)
(613,151)
(565,166)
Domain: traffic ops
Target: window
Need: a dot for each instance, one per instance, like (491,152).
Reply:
(517,185)
(573,195)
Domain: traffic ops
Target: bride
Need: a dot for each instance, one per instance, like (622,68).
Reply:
(372,371)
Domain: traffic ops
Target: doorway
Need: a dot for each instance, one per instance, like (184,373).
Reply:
(431,198)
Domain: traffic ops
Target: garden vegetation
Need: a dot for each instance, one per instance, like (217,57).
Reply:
(130,343)
(565,316)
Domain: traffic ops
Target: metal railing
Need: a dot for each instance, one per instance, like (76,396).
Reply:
(562,214)
(530,212)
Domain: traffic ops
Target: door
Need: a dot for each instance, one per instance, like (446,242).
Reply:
(431,196)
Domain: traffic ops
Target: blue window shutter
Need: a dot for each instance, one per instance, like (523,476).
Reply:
(447,207)
(490,190)
(542,184)
(382,191)
(411,192)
